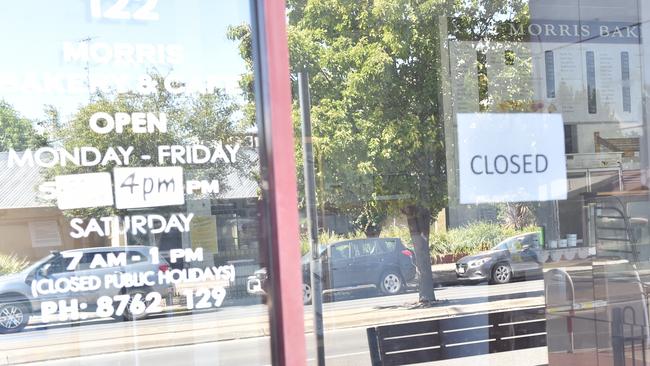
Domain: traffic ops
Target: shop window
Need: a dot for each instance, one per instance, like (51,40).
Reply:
(45,234)
(129,150)
(571,139)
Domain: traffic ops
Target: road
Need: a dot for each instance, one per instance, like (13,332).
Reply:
(201,338)
(344,347)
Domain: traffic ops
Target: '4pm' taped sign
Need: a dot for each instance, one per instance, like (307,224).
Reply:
(148,187)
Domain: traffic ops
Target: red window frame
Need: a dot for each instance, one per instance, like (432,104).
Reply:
(273,107)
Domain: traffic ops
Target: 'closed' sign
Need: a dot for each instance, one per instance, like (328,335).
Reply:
(511,157)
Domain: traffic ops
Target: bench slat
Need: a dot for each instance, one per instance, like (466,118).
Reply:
(421,341)
(410,357)
(520,329)
(519,343)
(397,330)
(462,336)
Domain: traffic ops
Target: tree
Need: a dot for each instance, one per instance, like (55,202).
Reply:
(509,89)
(370,219)
(17,132)
(376,87)
(375,92)
(517,215)
(203,119)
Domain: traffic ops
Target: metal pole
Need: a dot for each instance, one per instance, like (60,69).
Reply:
(618,340)
(556,273)
(312,216)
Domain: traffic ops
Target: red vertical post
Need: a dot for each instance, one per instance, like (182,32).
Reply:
(286,309)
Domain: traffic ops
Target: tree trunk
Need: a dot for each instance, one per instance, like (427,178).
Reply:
(419,222)
(372,231)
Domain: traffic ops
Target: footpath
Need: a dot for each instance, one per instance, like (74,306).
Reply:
(179,330)
(444,274)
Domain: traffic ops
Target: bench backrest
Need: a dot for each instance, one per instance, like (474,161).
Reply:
(461,336)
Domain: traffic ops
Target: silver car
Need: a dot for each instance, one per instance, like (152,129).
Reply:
(44,282)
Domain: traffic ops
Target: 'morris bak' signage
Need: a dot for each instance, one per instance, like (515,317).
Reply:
(570,31)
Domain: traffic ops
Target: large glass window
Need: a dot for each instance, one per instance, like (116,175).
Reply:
(130,194)
(502,145)
(473,182)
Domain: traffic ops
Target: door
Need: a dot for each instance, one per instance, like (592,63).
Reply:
(59,270)
(523,253)
(367,262)
(55,269)
(339,262)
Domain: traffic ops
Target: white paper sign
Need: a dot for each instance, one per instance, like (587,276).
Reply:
(148,187)
(83,190)
(511,157)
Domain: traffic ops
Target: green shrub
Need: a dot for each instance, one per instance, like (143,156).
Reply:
(397,231)
(11,264)
(471,238)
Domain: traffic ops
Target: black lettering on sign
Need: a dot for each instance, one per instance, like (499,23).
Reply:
(167,183)
(512,164)
(155,185)
(527,163)
(131,182)
(538,165)
(472,164)
(487,166)
(504,164)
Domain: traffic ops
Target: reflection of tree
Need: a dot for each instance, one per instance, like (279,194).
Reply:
(507,69)
(574,104)
(510,88)
(17,132)
(517,215)
(376,94)
(204,119)
(375,105)
(487,28)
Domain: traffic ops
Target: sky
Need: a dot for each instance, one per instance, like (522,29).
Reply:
(33,33)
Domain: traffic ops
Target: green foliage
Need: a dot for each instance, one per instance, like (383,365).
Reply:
(517,215)
(11,264)
(375,98)
(242,34)
(376,93)
(370,219)
(398,231)
(203,119)
(326,238)
(472,238)
(17,132)
(469,239)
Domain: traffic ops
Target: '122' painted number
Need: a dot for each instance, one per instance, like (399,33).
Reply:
(118,10)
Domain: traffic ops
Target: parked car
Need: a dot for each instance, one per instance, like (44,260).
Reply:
(381,263)
(512,258)
(18,303)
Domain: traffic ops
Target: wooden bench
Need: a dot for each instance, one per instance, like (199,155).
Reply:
(461,336)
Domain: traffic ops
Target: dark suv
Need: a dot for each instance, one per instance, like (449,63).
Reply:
(382,263)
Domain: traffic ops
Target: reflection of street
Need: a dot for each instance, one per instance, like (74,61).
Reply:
(343,347)
(597,314)
(236,334)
